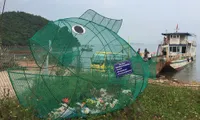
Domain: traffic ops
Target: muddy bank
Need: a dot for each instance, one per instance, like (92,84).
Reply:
(162,80)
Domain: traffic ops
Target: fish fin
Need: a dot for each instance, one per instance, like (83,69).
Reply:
(112,24)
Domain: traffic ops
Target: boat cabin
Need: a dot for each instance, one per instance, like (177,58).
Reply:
(177,43)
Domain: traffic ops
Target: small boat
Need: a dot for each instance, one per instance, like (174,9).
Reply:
(176,50)
(86,48)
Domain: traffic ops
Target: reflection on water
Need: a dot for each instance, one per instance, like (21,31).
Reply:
(189,73)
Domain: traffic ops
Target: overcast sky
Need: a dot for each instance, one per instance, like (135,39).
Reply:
(143,20)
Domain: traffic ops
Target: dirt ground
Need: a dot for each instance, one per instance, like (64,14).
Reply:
(27,63)
(176,83)
(5,85)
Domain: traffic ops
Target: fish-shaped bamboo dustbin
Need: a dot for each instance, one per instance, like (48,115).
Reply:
(84,68)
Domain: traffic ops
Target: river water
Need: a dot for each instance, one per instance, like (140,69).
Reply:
(191,72)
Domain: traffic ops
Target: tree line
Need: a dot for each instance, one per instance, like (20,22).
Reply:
(18,27)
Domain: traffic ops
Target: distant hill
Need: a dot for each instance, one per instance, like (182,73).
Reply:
(136,43)
(18,27)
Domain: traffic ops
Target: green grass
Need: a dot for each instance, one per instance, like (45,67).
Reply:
(157,102)
(170,103)
(11,110)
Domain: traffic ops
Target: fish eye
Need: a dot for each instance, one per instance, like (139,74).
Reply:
(78,29)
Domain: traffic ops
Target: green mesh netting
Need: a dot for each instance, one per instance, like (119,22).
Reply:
(76,74)
(153,67)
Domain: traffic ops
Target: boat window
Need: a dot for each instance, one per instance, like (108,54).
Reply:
(113,58)
(174,49)
(110,57)
(178,49)
(98,59)
(118,57)
(170,49)
(183,49)
(174,36)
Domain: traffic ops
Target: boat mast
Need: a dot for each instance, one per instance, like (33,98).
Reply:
(177,28)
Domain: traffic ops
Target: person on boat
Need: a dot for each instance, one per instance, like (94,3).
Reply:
(138,51)
(164,52)
(149,56)
(146,52)
(165,41)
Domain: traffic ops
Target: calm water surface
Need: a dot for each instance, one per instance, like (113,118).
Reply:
(190,73)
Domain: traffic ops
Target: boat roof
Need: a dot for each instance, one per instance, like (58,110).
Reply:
(178,33)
